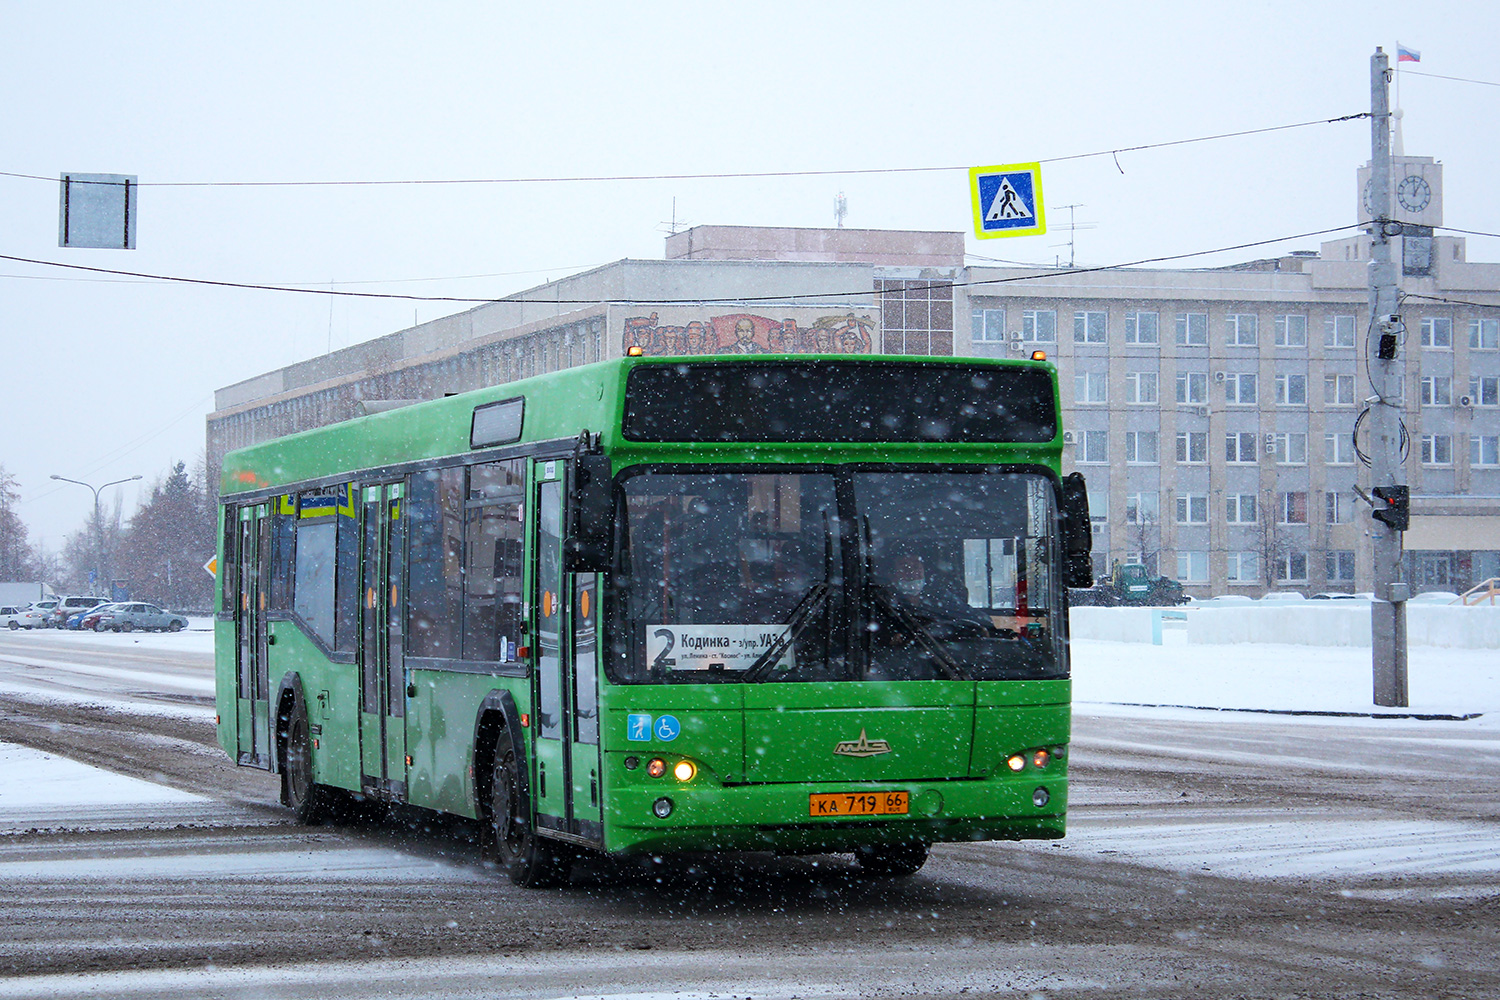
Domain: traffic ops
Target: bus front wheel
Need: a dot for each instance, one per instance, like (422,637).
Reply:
(530,860)
(891,859)
(311,802)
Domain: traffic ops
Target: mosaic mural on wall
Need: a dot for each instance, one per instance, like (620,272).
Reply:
(687,331)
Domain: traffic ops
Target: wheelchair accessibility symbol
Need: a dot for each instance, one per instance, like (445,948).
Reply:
(667,728)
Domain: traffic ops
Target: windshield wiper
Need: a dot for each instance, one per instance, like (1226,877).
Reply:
(919,632)
(800,618)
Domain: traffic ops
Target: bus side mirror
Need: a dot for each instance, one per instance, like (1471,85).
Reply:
(591,520)
(1078,533)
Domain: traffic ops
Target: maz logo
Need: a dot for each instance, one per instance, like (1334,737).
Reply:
(862,747)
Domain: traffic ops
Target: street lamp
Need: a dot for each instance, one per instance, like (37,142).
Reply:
(98,524)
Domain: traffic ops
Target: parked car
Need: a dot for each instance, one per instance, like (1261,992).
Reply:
(75,621)
(127,617)
(18,617)
(90,621)
(67,607)
(45,608)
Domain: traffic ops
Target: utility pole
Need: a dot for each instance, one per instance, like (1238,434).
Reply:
(1387,477)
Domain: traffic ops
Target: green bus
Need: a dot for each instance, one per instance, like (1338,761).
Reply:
(791,603)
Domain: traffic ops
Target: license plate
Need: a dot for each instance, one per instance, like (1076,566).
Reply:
(858,804)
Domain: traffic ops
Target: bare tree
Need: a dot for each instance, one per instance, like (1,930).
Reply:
(18,560)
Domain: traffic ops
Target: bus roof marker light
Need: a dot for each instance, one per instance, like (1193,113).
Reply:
(634,352)
(1038,355)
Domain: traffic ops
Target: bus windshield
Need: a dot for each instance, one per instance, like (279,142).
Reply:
(833,574)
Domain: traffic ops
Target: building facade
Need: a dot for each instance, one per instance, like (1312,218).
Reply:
(1212,411)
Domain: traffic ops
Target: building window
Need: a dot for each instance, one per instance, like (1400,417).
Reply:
(1340,507)
(1437,449)
(1339,565)
(1240,330)
(1291,508)
(1484,391)
(1192,329)
(989,326)
(1484,450)
(1140,447)
(1192,508)
(1291,331)
(1291,567)
(1484,334)
(1437,390)
(1192,387)
(1242,567)
(1142,508)
(1094,448)
(1291,390)
(1338,449)
(1039,326)
(1239,508)
(1090,328)
(1338,331)
(1140,387)
(1099,507)
(1239,447)
(1338,390)
(1091,387)
(1239,388)
(1437,332)
(1141,328)
(1290,448)
(1192,567)
(1192,446)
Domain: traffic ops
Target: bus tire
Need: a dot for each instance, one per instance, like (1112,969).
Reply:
(311,802)
(891,859)
(531,861)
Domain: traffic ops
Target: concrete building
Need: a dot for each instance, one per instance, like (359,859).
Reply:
(1213,411)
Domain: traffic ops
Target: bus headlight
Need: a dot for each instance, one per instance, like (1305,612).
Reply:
(657,767)
(1016,762)
(684,770)
(1040,797)
(662,808)
(1039,758)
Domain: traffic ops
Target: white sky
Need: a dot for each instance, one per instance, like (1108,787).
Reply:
(103,379)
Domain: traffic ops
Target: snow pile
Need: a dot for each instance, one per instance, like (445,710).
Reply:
(1312,623)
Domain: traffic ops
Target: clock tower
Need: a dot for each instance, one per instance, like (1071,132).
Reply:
(1416,191)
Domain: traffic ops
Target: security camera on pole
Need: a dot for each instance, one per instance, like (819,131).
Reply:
(1389,517)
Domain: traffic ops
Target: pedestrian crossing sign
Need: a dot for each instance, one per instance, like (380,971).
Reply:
(1007,200)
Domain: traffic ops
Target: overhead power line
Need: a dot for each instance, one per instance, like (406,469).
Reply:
(724,175)
(1439,76)
(695,301)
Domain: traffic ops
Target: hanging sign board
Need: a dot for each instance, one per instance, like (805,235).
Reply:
(1007,200)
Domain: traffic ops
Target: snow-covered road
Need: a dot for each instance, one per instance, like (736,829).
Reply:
(1208,852)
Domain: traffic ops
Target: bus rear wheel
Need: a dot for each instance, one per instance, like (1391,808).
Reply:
(891,859)
(531,861)
(311,802)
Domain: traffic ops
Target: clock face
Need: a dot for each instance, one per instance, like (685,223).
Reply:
(1370,197)
(1413,193)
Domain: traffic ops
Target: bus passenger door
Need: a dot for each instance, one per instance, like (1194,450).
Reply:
(550,723)
(566,689)
(252,672)
(583,666)
(382,670)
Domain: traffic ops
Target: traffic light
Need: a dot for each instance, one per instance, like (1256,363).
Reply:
(1393,506)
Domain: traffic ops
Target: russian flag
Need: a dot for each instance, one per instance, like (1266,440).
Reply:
(1404,54)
